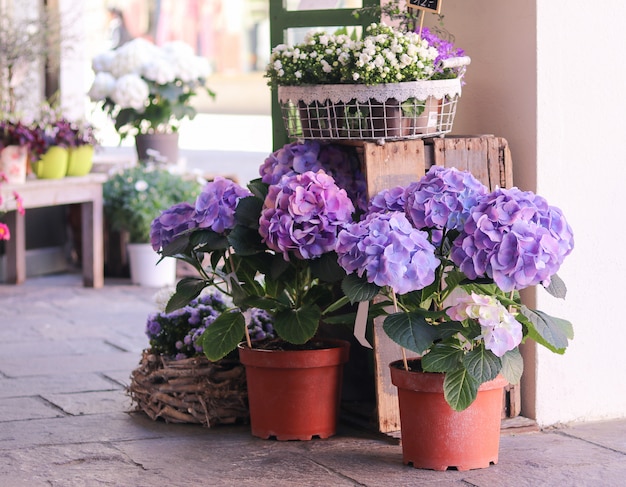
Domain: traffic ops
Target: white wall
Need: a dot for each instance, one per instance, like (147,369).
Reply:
(548,75)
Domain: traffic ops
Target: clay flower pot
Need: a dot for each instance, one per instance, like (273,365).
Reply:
(434,436)
(294,394)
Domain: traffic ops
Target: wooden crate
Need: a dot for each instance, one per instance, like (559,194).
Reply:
(398,163)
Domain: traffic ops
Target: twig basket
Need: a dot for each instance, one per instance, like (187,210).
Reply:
(393,111)
(192,390)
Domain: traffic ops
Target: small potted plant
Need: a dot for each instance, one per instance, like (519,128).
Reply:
(450,258)
(176,382)
(16,140)
(271,246)
(135,196)
(148,90)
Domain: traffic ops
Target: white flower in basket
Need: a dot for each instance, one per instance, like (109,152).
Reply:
(389,85)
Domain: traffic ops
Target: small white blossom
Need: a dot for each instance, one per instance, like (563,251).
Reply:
(130,91)
(102,86)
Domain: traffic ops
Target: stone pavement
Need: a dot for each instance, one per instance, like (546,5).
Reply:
(66,353)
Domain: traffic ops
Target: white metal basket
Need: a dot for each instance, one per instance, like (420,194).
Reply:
(392,111)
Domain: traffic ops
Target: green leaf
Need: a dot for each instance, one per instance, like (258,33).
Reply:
(327,268)
(297,325)
(551,332)
(411,331)
(208,240)
(258,188)
(188,288)
(442,358)
(179,245)
(460,389)
(358,289)
(482,364)
(245,240)
(557,287)
(223,335)
(248,211)
(512,366)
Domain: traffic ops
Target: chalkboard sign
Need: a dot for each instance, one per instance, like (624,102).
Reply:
(430,5)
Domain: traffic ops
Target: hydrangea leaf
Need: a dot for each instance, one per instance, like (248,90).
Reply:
(442,358)
(411,331)
(358,289)
(245,241)
(482,364)
(551,332)
(327,268)
(208,240)
(512,366)
(460,389)
(557,287)
(248,211)
(297,325)
(223,335)
(188,288)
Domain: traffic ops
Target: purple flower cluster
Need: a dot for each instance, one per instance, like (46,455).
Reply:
(443,198)
(515,238)
(176,334)
(389,251)
(338,161)
(261,325)
(303,213)
(214,209)
(173,221)
(216,204)
(393,199)
(445,48)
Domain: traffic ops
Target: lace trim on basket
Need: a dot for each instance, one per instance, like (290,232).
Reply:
(362,93)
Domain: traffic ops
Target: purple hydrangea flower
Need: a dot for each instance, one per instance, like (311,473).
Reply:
(389,251)
(442,199)
(338,161)
(393,199)
(173,221)
(216,204)
(261,325)
(515,238)
(303,213)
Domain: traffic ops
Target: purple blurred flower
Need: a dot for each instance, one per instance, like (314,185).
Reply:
(173,221)
(389,251)
(515,238)
(445,48)
(216,204)
(442,199)
(303,213)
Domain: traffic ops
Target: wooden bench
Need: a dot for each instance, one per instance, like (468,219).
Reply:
(41,193)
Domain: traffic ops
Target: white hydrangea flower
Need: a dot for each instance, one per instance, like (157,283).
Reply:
(130,57)
(102,86)
(130,91)
(176,49)
(159,70)
(103,62)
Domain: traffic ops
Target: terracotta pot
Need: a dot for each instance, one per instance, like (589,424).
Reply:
(160,147)
(434,436)
(53,164)
(80,160)
(295,395)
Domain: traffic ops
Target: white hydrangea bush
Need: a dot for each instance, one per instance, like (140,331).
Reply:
(146,88)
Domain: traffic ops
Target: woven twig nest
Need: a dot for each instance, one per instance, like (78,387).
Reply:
(192,390)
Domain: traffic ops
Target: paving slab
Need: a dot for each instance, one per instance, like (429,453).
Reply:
(55,384)
(98,402)
(608,434)
(23,408)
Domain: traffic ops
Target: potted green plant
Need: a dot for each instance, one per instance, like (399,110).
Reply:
(176,382)
(391,84)
(135,196)
(449,258)
(272,247)
(148,90)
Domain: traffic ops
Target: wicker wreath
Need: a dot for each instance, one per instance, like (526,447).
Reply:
(192,390)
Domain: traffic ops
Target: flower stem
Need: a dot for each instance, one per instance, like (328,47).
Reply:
(395,310)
